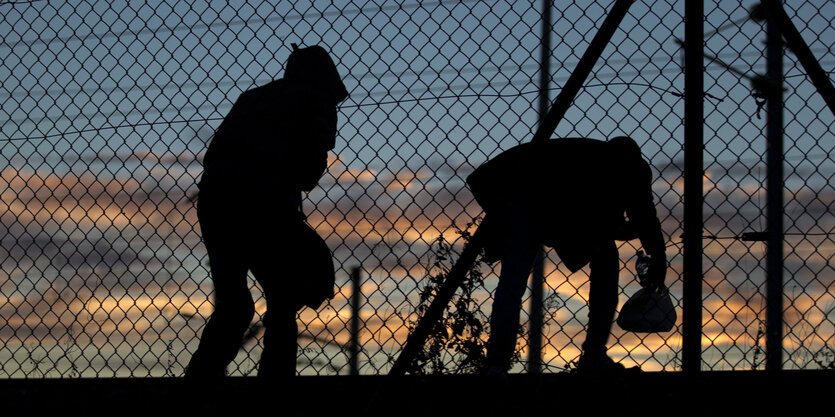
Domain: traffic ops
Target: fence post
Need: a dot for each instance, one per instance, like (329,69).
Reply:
(538,277)
(353,364)
(691,356)
(774,191)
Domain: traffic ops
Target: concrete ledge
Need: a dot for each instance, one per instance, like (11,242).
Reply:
(710,393)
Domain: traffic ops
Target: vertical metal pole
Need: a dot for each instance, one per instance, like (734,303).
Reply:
(774,189)
(691,360)
(538,277)
(353,364)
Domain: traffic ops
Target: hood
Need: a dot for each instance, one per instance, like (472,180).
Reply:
(313,66)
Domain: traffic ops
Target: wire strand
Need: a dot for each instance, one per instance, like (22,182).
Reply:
(358,105)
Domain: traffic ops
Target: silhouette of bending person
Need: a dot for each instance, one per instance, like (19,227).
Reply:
(570,194)
(271,147)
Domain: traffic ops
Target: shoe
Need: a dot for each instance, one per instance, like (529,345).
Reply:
(602,366)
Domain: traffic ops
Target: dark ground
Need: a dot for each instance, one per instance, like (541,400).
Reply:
(739,393)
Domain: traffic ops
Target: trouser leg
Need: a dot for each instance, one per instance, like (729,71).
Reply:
(603,298)
(222,336)
(233,306)
(280,346)
(278,358)
(278,266)
(517,259)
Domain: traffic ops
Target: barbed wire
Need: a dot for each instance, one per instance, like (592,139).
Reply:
(383,75)
(98,129)
(372,94)
(358,105)
(388,93)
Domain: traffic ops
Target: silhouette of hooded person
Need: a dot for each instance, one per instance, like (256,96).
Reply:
(272,146)
(576,195)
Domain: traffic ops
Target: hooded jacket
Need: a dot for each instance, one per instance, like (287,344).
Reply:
(276,137)
(576,191)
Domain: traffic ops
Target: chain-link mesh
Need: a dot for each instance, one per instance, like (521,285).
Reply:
(735,195)
(107,109)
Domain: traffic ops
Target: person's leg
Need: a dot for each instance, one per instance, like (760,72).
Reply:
(278,265)
(278,358)
(222,336)
(603,298)
(518,253)
(280,345)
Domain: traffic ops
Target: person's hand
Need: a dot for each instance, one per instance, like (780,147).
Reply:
(657,273)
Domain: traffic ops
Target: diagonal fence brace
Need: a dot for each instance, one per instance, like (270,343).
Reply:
(798,46)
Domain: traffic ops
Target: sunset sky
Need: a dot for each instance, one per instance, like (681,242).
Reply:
(106,110)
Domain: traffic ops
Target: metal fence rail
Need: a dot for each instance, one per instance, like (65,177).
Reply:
(106,109)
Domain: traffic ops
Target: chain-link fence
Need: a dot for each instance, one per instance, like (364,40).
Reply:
(106,110)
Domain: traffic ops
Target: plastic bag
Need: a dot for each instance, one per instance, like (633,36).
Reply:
(648,311)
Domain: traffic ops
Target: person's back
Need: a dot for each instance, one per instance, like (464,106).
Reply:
(575,189)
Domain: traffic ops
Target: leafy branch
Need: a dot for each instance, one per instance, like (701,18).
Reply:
(456,343)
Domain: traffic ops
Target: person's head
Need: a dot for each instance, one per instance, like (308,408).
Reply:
(626,155)
(313,66)
(625,147)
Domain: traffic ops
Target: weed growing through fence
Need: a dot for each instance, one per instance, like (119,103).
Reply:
(457,343)
(34,360)
(70,352)
(43,366)
(825,357)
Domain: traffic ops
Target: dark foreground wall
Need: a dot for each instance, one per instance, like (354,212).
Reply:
(668,394)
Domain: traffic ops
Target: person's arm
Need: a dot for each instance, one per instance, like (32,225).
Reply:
(642,215)
(305,130)
(317,136)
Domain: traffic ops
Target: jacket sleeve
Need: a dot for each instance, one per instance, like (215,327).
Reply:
(640,209)
(302,129)
(315,135)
